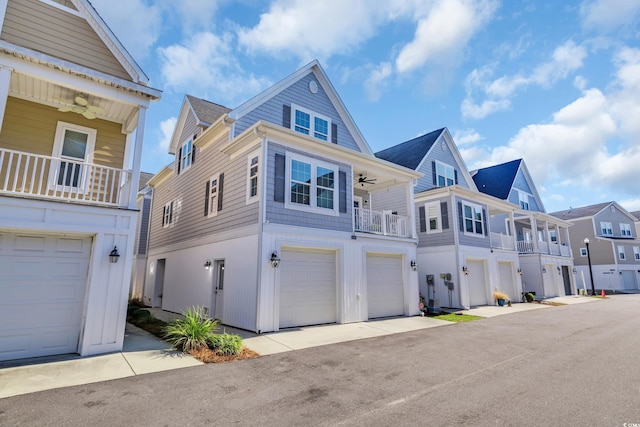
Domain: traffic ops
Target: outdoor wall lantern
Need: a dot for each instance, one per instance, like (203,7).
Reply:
(207,264)
(114,255)
(544,269)
(519,271)
(465,270)
(559,270)
(414,266)
(275,261)
(574,270)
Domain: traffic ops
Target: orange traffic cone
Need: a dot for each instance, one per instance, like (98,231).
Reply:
(602,295)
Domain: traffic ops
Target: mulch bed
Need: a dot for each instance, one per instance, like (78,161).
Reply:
(206,355)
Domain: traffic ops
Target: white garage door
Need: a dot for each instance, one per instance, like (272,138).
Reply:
(385,293)
(42,288)
(307,287)
(477,283)
(549,281)
(507,284)
(629,279)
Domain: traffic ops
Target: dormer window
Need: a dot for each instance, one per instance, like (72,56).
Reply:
(625,230)
(606,229)
(445,175)
(523,199)
(186,155)
(310,123)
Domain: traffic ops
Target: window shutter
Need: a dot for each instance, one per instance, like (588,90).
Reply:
(163,211)
(171,213)
(342,182)
(206,198)
(460,216)
(179,160)
(484,222)
(278,191)
(455,176)
(220,189)
(286,116)
(433,168)
(423,219)
(334,133)
(444,213)
(193,154)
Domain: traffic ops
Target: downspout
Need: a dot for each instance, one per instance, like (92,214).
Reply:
(261,218)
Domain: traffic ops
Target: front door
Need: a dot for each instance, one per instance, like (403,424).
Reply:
(159,285)
(219,289)
(566,279)
(74,146)
(357,205)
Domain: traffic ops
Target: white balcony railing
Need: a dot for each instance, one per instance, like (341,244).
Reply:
(503,241)
(544,248)
(368,221)
(525,247)
(27,174)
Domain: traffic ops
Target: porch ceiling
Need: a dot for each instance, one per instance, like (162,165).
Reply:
(378,179)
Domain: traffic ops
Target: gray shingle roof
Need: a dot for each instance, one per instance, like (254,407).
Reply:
(636,214)
(581,212)
(207,112)
(410,153)
(497,180)
(144,178)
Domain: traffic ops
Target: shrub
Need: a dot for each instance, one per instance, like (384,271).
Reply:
(225,344)
(191,333)
(141,316)
(529,296)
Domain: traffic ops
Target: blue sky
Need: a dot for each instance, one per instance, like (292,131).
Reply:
(555,83)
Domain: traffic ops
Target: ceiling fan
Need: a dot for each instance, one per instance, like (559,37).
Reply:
(362,180)
(81,106)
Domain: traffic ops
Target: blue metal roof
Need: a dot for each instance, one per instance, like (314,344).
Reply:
(497,180)
(410,153)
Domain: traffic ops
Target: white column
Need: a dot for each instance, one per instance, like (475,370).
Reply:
(534,232)
(5,80)
(547,236)
(558,239)
(137,157)
(411,208)
(512,229)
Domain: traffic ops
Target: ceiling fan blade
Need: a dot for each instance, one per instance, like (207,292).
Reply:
(81,101)
(65,109)
(96,110)
(89,115)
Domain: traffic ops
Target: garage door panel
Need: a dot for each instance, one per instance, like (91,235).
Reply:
(507,284)
(477,283)
(307,287)
(42,288)
(385,285)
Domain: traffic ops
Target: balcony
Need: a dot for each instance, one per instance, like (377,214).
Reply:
(386,224)
(32,175)
(503,241)
(553,248)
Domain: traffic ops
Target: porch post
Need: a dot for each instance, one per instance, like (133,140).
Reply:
(558,240)
(547,235)
(5,80)
(411,208)
(512,229)
(534,232)
(137,157)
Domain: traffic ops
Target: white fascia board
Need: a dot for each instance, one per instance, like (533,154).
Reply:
(182,119)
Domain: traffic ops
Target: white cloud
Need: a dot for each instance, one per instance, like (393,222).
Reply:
(630,204)
(444,31)
(136,24)
(466,136)
(376,80)
(166,130)
(479,111)
(625,100)
(205,62)
(606,15)
(196,15)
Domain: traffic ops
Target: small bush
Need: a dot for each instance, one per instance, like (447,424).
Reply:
(225,344)
(529,296)
(141,316)
(192,332)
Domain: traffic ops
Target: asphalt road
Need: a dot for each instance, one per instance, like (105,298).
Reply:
(576,365)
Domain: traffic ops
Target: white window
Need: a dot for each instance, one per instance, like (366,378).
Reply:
(253,177)
(310,123)
(212,202)
(636,253)
(621,253)
(583,252)
(606,229)
(74,146)
(434,220)
(186,155)
(313,185)
(523,199)
(625,230)
(554,236)
(473,222)
(167,215)
(445,175)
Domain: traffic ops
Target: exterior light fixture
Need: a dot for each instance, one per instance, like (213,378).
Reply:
(559,270)
(114,255)
(519,271)
(275,261)
(465,270)
(586,243)
(544,269)
(414,266)
(207,264)
(574,270)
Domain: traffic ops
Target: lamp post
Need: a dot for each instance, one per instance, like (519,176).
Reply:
(586,243)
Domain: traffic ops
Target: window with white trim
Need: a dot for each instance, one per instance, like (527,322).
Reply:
(167,215)
(583,252)
(473,222)
(434,220)
(523,199)
(606,229)
(312,185)
(253,177)
(445,175)
(310,123)
(553,235)
(621,253)
(74,146)
(213,195)
(636,253)
(625,230)
(186,155)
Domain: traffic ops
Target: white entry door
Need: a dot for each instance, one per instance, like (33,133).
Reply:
(43,282)
(507,283)
(476,280)
(629,279)
(307,287)
(385,285)
(219,290)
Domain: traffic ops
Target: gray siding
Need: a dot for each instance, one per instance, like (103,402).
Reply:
(278,214)
(483,241)
(498,224)
(520,183)
(188,191)
(446,237)
(142,230)
(390,199)
(615,218)
(444,156)
(298,93)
